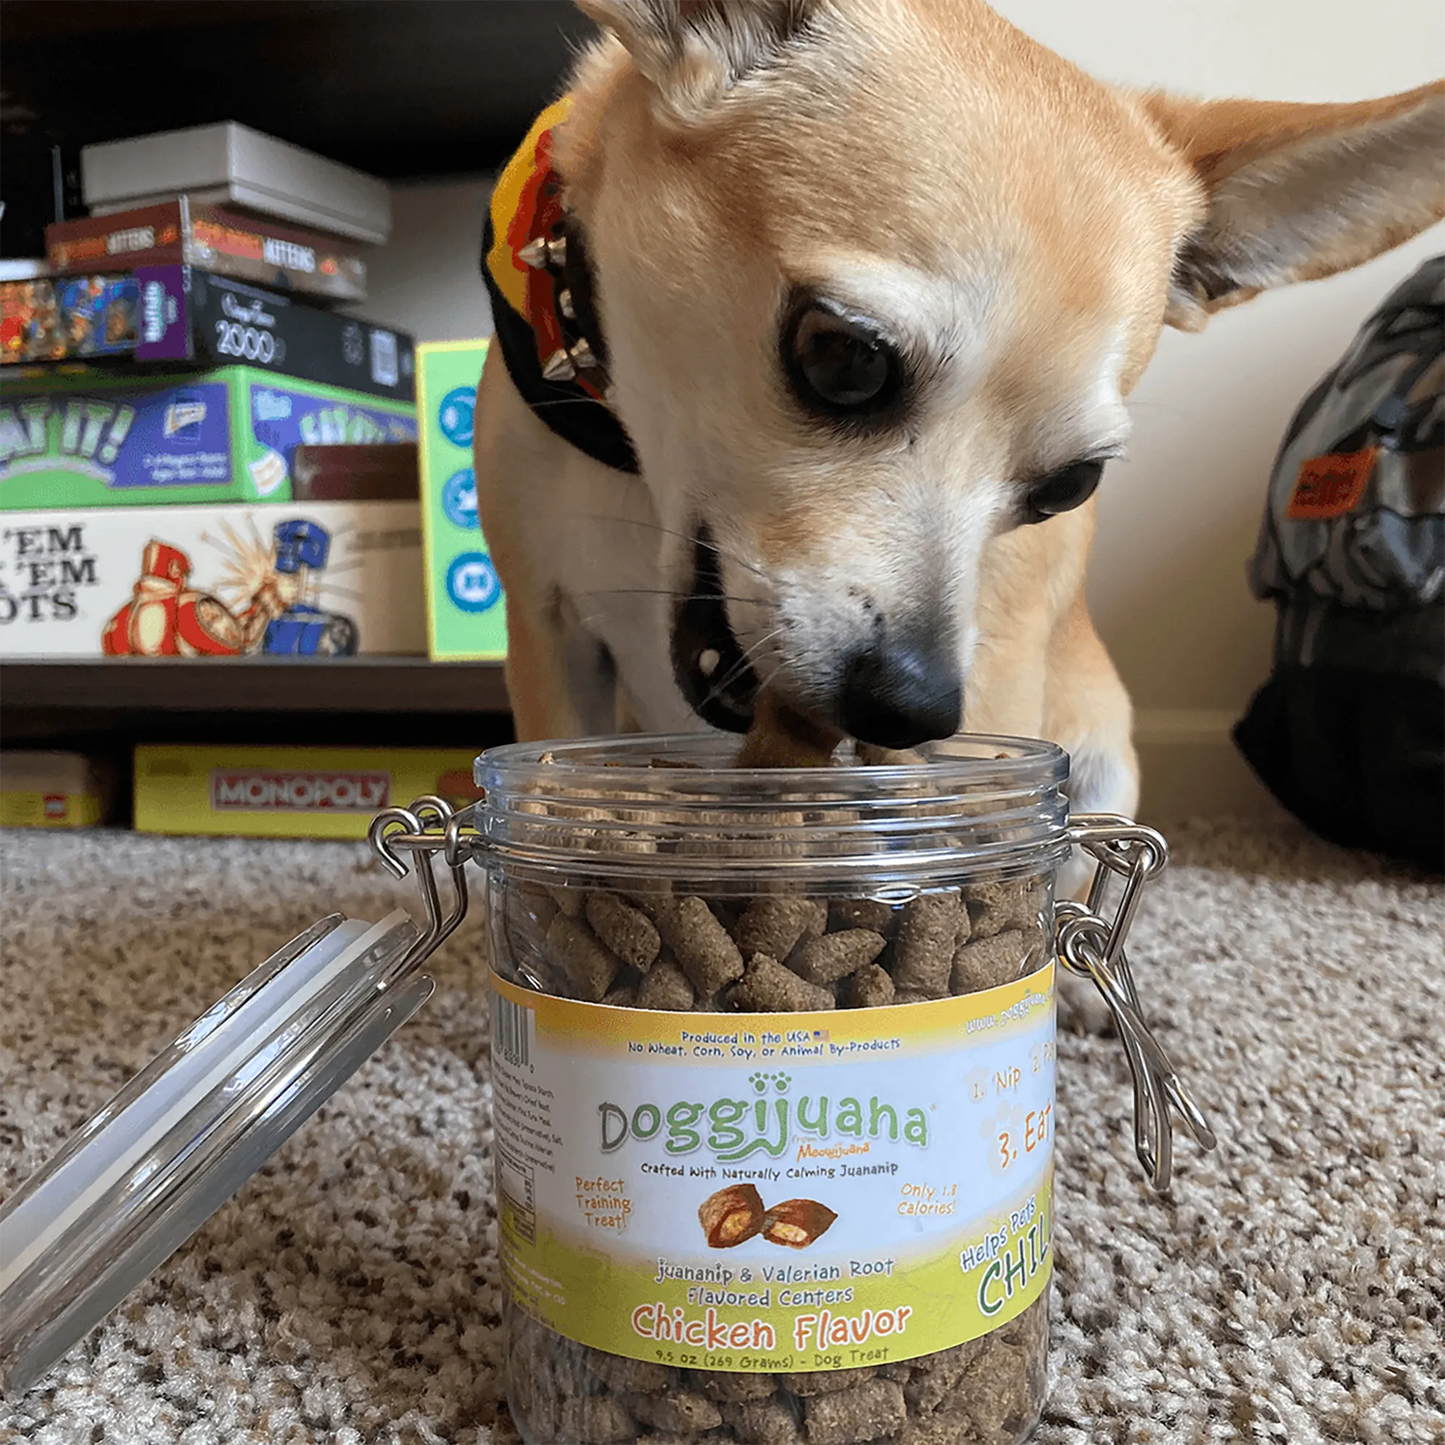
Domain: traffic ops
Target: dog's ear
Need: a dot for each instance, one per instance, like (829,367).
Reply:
(1296,192)
(672,39)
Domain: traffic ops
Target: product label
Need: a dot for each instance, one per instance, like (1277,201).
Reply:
(776,1192)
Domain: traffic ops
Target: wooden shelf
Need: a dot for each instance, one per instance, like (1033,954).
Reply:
(357,684)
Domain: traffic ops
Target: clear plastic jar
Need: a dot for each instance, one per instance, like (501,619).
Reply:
(835,1237)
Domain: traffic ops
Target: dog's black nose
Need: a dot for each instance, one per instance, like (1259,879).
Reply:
(903,692)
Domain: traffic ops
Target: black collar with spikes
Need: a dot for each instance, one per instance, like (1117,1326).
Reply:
(556,355)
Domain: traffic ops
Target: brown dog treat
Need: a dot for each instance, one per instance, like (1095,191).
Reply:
(653,897)
(849,1417)
(571,901)
(782,738)
(678,1412)
(621,996)
(587,963)
(599,1420)
(731,1215)
(620,1374)
(995,1393)
(862,913)
(701,944)
(912,995)
(870,987)
(872,756)
(626,930)
(928,933)
(900,1370)
(994,907)
(768,987)
(665,987)
(938,1375)
(836,955)
(827,1382)
(989,962)
(763,1422)
(945,1429)
(796,1223)
(774,924)
(717,1385)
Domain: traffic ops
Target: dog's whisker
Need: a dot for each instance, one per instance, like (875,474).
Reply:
(722,551)
(742,664)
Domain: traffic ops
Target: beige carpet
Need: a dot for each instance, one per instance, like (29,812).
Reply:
(1293,1289)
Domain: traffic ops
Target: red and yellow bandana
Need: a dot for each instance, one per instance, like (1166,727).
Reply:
(527,205)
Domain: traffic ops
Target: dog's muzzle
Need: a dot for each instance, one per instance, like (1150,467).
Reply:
(708,662)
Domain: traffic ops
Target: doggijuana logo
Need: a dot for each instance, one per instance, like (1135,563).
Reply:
(268,790)
(768,1123)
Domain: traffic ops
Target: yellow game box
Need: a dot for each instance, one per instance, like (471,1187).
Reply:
(281,792)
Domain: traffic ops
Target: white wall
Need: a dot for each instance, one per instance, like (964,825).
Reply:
(1178,518)
(427,279)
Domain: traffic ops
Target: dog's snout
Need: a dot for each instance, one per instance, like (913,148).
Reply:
(904,691)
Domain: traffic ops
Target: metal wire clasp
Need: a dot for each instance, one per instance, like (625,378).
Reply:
(428,828)
(1090,943)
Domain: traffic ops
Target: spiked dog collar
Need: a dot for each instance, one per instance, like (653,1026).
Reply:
(534,261)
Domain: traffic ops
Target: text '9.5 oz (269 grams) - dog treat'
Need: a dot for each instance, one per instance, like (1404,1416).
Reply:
(774,1144)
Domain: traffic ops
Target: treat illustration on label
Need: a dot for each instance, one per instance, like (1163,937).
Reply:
(731,1216)
(797,1222)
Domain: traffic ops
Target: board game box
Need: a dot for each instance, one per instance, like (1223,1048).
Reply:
(90,438)
(183,315)
(265,791)
(466,611)
(314,580)
(227,242)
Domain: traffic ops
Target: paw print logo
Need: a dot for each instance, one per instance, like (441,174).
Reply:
(759,1082)
(781,1082)
(1008,1118)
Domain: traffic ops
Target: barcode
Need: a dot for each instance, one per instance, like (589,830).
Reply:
(383,358)
(511,1032)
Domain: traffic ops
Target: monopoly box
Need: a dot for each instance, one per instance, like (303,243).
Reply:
(466,611)
(278,792)
(313,580)
(88,438)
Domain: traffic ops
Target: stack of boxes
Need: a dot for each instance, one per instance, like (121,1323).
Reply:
(170,391)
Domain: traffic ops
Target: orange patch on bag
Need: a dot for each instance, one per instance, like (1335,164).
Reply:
(1331,486)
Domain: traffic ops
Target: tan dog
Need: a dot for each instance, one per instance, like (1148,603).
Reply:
(875,277)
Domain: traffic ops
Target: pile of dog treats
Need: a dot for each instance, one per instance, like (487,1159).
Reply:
(775,953)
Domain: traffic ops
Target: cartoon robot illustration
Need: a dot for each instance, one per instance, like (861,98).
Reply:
(297,627)
(168,617)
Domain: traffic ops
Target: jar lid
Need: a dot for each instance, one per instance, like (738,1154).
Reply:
(145,1172)
(674,806)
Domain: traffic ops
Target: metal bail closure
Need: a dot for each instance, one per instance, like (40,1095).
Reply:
(1088,943)
(133,1183)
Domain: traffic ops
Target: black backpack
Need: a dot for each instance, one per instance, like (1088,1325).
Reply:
(1349,731)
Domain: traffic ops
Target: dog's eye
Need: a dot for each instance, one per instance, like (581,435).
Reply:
(839,365)
(1062,491)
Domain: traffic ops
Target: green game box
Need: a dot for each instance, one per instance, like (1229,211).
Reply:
(82,437)
(465,611)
